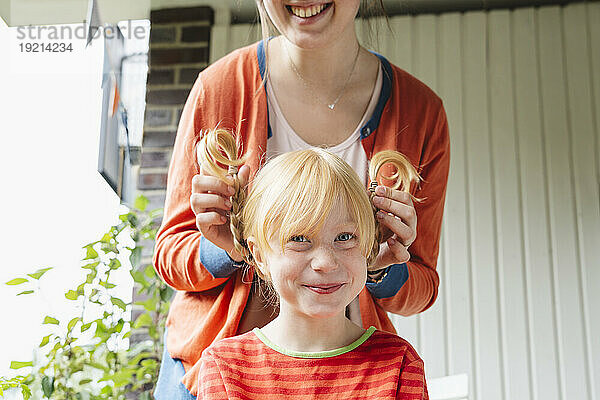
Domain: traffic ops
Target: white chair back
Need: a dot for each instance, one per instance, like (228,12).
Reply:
(453,387)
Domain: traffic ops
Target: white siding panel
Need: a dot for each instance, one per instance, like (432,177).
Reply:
(532,165)
(592,272)
(505,177)
(485,313)
(402,42)
(587,202)
(455,288)
(567,293)
(432,345)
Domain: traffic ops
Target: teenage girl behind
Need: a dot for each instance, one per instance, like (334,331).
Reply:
(308,228)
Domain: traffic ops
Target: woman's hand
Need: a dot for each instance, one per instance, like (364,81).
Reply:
(211,202)
(398,220)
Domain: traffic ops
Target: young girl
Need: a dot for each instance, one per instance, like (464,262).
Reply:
(308,229)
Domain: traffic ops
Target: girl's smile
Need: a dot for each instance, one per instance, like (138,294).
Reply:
(325,289)
(317,276)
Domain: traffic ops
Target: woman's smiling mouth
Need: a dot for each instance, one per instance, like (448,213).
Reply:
(307,12)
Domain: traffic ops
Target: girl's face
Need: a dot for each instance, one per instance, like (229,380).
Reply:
(312,24)
(319,276)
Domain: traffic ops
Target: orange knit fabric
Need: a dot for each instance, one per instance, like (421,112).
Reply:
(229,94)
(384,367)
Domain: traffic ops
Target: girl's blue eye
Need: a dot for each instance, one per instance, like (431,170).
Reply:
(298,238)
(344,237)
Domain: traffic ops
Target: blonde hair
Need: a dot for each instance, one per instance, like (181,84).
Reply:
(294,193)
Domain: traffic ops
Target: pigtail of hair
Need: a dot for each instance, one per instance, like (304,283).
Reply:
(402,179)
(216,149)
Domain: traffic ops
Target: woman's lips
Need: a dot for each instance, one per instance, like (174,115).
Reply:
(325,289)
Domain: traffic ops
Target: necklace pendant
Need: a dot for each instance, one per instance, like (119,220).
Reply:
(331,106)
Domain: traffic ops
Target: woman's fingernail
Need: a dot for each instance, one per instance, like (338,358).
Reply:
(392,241)
(378,201)
(224,219)
(380,214)
(227,203)
(380,190)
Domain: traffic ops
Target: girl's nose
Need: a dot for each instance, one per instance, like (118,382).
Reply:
(324,260)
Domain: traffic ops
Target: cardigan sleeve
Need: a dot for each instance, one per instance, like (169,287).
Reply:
(413,287)
(182,258)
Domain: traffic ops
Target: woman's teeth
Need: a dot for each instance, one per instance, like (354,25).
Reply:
(307,12)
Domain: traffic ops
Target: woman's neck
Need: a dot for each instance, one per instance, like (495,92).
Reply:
(301,333)
(332,62)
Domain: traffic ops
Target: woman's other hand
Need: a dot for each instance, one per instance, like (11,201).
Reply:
(211,202)
(398,220)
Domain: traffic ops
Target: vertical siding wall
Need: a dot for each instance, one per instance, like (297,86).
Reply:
(519,302)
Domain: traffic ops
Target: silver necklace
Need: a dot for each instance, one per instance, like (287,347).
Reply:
(331,106)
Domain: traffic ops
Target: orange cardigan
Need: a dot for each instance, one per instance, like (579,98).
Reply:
(229,93)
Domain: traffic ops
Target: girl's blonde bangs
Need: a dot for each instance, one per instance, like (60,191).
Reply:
(295,192)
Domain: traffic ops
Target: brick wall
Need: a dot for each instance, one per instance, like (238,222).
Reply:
(179,50)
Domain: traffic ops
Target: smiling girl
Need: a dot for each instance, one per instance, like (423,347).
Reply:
(312,84)
(308,229)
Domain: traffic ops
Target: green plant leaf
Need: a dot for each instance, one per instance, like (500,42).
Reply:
(17,281)
(26,392)
(166,293)
(135,256)
(118,302)
(45,341)
(90,252)
(114,264)
(85,327)
(72,323)
(107,285)
(139,277)
(38,274)
(149,271)
(20,364)
(71,295)
(149,304)
(25,292)
(50,320)
(141,203)
(106,390)
(48,386)
(91,266)
(142,320)
(85,381)
(106,238)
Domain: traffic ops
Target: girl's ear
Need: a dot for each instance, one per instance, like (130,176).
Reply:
(257,255)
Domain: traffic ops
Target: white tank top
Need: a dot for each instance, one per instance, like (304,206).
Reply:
(285,139)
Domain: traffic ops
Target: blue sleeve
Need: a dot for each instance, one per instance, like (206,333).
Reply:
(395,277)
(216,260)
